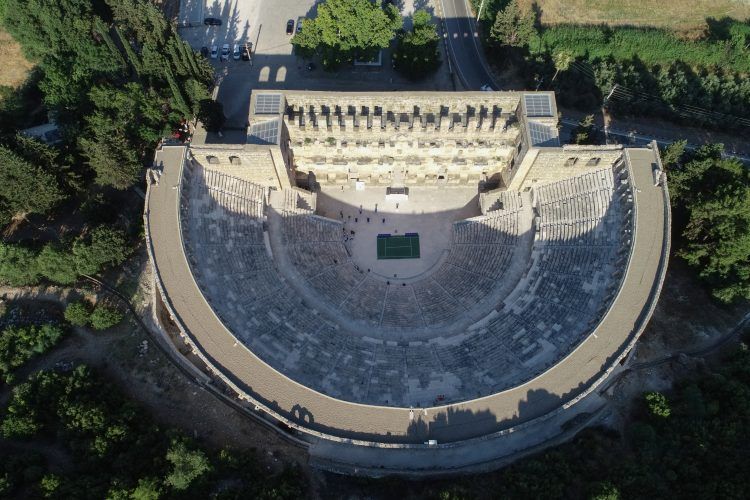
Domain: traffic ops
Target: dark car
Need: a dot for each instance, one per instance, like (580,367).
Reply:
(212,21)
(310,66)
(246,52)
(204,52)
(290,27)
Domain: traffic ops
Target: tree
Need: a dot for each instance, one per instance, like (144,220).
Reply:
(104,317)
(672,154)
(211,114)
(18,344)
(24,187)
(562,60)
(513,27)
(18,266)
(346,29)
(147,489)
(711,196)
(78,313)
(584,132)
(104,246)
(657,404)
(417,53)
(125,122)
(604,491)
(187,465)
(57,263)
(114,160)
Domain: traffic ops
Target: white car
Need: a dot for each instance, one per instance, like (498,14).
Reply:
(486,87)
(214,51)
(236,53)
(225,52)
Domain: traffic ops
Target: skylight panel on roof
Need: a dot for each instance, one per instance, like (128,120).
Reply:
(266,132)
(267,104)
(537,105)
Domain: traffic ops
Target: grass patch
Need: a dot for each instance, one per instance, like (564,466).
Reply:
(687,16)
(15,67)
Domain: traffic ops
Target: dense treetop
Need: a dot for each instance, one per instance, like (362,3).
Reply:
(347,29)
(115,76)
(115,450)
(417,54)
(711,198)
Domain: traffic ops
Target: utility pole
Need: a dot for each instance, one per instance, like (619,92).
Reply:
(604,116)
(479,14)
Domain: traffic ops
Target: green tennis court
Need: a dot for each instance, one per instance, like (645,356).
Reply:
(398,247)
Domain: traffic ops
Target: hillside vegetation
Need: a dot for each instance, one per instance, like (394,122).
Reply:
(700,81)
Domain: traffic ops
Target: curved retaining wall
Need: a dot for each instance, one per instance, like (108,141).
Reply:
(313,433)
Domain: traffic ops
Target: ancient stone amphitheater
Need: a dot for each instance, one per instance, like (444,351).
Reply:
(499,342)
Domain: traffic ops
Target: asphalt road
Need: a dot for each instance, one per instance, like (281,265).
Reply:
(464,44)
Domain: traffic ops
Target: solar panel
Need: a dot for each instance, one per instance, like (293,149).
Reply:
(267,104)
(537,105)
(541,135)
(264,132)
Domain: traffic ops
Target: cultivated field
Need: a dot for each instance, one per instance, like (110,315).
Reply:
(684,15)
(14,67)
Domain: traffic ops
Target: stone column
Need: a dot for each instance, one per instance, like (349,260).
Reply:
(349,124)
(486,124)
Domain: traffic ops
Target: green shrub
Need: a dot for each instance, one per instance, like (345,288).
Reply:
(104,247)
(18,344)
(417,54)
(657,404)
(18,266)
(104,317)
(187,465)
(650,45)
(57,264)
(78,313)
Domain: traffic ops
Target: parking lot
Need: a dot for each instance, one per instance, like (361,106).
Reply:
(262,23)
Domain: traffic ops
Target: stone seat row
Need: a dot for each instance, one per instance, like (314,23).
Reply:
(593,204)
(574,186)
(549,314)
(495,229)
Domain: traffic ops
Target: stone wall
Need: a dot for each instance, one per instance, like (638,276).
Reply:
(250,163)
(403,138)
(554,164)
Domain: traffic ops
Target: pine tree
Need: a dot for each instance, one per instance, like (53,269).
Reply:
(513,27)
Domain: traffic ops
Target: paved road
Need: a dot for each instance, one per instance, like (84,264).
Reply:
(630,311)
(464,44)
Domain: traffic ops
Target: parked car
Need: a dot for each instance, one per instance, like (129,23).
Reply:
(236,52)
(310,66)
(246,51)
(214,51)
(225,52)
(299,23)
(212,21)
(290,27)
(486,87)
(204,52)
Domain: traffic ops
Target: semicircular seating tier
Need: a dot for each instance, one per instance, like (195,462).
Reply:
(581,245)
(482,249)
